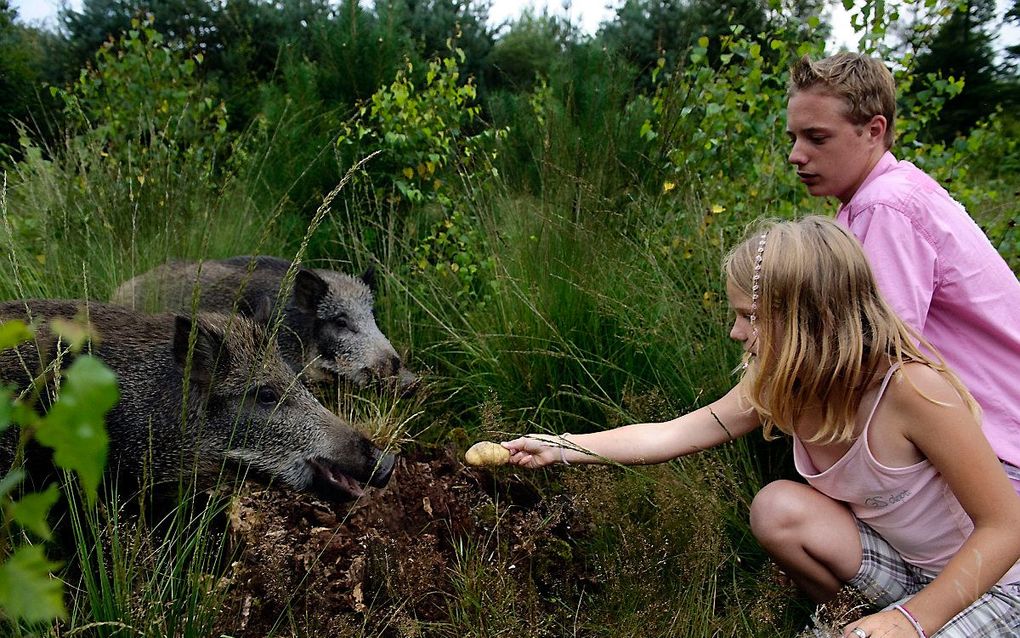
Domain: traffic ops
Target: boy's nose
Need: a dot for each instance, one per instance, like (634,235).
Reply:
(796,157)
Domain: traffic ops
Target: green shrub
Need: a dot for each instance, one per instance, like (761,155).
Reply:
(143,100)
(573,139)
(721,130)
(144,143)
(74,429)
(425,131)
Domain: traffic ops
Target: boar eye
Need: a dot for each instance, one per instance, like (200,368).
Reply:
(267,396)
(342,322)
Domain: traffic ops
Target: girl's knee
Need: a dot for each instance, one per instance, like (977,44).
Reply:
(808,533)
(778,505)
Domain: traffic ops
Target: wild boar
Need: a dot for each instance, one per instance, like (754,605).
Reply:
(328,327)
(243,407)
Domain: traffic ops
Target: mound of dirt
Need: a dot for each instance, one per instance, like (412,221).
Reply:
(395,561)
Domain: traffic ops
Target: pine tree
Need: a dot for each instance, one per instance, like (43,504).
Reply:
(963,47)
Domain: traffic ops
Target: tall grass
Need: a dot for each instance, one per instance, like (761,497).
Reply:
(76,223)
(138,576)
(583,328)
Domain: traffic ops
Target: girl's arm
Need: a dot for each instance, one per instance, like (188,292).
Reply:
(641,443)
(951,438)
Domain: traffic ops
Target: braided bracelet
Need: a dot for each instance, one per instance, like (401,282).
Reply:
(913,621)
(563,458)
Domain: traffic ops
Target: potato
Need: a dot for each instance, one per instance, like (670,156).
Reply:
(487,453)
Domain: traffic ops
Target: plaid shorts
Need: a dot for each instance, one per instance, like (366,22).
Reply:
(1013,472)
(886,580)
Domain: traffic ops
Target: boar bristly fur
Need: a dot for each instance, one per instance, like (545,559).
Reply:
(242,407)
(327,328)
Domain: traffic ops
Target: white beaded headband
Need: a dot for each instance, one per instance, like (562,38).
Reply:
(756,281)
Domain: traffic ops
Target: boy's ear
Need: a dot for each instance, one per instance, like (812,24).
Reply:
(876,128)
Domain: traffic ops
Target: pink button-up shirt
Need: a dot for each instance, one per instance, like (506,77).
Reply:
(940,273)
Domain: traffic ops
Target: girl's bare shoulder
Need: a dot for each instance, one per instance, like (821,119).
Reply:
(920,387)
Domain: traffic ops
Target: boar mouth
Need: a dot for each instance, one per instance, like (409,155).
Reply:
(331,479)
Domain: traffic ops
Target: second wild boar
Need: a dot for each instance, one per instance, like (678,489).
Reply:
(328,326)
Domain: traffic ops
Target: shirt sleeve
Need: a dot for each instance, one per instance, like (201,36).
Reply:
(904,259)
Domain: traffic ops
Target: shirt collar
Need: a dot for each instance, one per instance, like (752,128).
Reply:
(886,162)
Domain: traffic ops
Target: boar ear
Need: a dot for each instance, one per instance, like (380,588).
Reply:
(309,289)
(369,278)
(262,312)
(208,357)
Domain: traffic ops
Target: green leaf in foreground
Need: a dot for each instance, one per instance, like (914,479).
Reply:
(11,480)
(13,332)
(27,591)
(6,407)
(32,509)
(74,426)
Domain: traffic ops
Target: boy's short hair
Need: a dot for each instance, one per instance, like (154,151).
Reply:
(864,83)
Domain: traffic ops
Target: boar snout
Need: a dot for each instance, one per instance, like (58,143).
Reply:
(394,366)
(406,383)
(392,376)
(340,480)
(383,469)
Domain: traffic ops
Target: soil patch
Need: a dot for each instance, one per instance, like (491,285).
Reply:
(398,561)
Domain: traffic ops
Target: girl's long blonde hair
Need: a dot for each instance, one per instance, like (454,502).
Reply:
(823,328)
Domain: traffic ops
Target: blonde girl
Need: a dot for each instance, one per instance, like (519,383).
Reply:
(903,497)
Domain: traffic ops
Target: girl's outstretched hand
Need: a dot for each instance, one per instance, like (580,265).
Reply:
(534,450)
